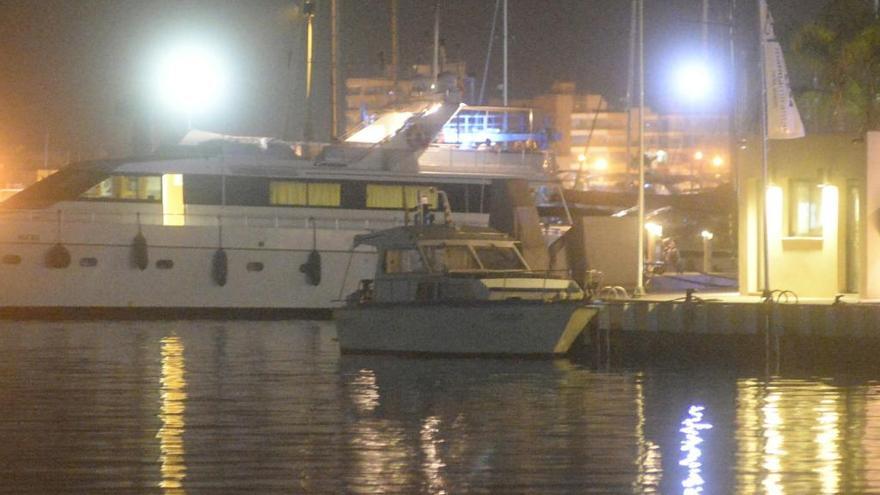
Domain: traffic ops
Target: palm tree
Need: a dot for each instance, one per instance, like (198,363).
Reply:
(837,66)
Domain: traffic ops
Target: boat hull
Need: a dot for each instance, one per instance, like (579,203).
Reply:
(473,328)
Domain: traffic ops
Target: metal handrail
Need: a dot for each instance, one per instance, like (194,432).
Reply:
(66,217)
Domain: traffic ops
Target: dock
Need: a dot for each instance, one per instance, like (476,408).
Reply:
(700,326)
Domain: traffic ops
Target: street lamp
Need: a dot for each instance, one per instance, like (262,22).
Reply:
(191,78)
(694,81)
(707,250)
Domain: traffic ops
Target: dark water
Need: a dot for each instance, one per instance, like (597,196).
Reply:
(203,407)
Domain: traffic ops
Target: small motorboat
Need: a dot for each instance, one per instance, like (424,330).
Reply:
(448,289)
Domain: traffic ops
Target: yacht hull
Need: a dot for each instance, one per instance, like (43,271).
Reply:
(466,328)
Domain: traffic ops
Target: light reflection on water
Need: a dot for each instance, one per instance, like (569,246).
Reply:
(171,411)
(202,407)
(692,427)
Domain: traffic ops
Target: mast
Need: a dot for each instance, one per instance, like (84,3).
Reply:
(629,84)
(705,29)
(640,287)
(480,101)
(334,34)
(395,48)
(505,53)
(435,68)
(765,170)
(309,11)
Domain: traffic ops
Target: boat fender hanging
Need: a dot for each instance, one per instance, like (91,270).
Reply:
(312,268)
(139,255)
(416,137)
(58,256)
(219,267)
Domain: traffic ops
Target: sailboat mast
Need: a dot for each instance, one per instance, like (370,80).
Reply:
(435,68)
(505,53)
(765,170)
(481,101)
(630,75)
(334,34)
(640,287)
(395,48)
(310,15)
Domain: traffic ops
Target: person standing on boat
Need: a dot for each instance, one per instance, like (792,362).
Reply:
(424,215)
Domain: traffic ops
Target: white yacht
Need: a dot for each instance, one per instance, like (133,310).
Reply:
(246,227)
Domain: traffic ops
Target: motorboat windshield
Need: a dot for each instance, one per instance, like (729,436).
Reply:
(464,257)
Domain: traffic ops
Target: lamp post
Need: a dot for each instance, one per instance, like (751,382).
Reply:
(707,250)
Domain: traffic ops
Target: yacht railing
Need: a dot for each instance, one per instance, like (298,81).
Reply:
(483,161)
(67,217)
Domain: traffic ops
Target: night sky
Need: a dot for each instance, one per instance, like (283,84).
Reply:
(79,69)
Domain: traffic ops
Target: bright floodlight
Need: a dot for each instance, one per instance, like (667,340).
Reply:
(191,78)
(694,81)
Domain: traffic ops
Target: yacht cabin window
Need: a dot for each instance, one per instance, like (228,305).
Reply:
(297,193)
(127,187)
(403,261)
(392,196)
(444,258)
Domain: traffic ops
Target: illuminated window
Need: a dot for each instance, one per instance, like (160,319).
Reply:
(295,193)
(324,194)
(173,208)
(287,193)
(127,187)
(385,196)
(806,209)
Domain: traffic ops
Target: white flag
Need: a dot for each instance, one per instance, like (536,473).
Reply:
(783,118)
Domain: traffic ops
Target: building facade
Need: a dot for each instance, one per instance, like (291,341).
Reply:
(820,237)
(687,152)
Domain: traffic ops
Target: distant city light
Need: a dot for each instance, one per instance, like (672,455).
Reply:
(191,78)
(717,161)
(694,82)
(707,235)
(601,164)
(698,155)
(582,157)
(661,156)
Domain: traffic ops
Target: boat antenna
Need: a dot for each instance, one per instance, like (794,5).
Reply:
(447,209)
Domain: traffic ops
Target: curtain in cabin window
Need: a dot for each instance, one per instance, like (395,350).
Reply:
(382,196)
(288,193)
(324,194)
(390,196)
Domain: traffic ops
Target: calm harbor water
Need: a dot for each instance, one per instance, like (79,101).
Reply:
(271,407)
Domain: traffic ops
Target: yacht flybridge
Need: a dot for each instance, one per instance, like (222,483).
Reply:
(247,226)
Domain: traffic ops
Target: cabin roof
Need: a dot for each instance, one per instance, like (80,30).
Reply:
(408,236)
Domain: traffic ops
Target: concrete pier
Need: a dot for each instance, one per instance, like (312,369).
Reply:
(727,325)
